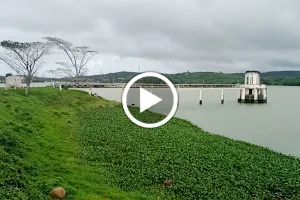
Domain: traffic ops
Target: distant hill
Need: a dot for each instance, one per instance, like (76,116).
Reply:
(276,73)
(291,78)
(112,77)
(270,78)
(187,77)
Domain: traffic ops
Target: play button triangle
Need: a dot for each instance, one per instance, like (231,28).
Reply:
(147,100)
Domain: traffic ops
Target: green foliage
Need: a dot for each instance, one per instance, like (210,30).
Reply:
(279,80)
(206,78)
(202,165)
(195,77)
(291,78)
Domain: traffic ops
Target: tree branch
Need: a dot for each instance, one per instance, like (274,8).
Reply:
(78,56)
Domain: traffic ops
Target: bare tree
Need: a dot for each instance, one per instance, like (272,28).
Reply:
(24,58)
(78,58)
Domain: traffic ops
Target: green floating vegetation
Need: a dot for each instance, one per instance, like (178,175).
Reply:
(202,165)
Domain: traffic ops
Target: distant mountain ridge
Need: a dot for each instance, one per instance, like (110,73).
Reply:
(276,73)
(126,74)
(290,78)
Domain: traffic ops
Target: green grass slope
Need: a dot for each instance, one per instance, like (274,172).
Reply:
(39,146)
(88,146)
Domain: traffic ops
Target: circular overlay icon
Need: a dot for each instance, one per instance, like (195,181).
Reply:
(148,99)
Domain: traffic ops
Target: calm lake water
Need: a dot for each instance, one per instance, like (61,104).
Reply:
(32,84)
(275,125)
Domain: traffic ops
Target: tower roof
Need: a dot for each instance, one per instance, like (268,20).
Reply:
(253,71)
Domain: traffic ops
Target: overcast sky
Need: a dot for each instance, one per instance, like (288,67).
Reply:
(163,35)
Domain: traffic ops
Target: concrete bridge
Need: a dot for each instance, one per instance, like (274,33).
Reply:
(144,85)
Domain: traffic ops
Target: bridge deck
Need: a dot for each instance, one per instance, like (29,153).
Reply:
(144,85)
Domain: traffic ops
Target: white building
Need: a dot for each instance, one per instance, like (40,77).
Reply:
(253,91)
(252,78)
(13,81)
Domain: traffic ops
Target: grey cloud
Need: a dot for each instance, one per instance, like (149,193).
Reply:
(175,35)
(282,63)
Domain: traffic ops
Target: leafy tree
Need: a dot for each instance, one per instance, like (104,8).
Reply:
(24,58)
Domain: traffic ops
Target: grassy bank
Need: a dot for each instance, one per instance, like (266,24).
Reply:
(39,146)
(88,146)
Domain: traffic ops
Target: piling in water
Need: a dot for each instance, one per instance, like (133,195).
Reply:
(222,96)
(200,97)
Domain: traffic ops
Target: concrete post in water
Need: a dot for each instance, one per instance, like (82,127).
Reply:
(243,95)
(222,96)
(255,95)
(239,95)
(200,97)
(265,95)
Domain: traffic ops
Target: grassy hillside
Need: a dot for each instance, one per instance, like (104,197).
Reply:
(88,146)
(39,146)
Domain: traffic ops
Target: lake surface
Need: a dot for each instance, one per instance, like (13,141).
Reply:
(275,125)
(32,84)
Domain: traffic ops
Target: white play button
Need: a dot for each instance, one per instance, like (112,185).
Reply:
(147,100)
(162,100)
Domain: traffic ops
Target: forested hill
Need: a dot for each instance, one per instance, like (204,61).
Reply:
(270,78)
(276,73)
(291,78)
(195,77)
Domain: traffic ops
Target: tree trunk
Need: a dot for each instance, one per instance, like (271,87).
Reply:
(28,81)
(27,87)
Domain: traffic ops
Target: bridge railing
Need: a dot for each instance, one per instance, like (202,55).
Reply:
(146,85)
